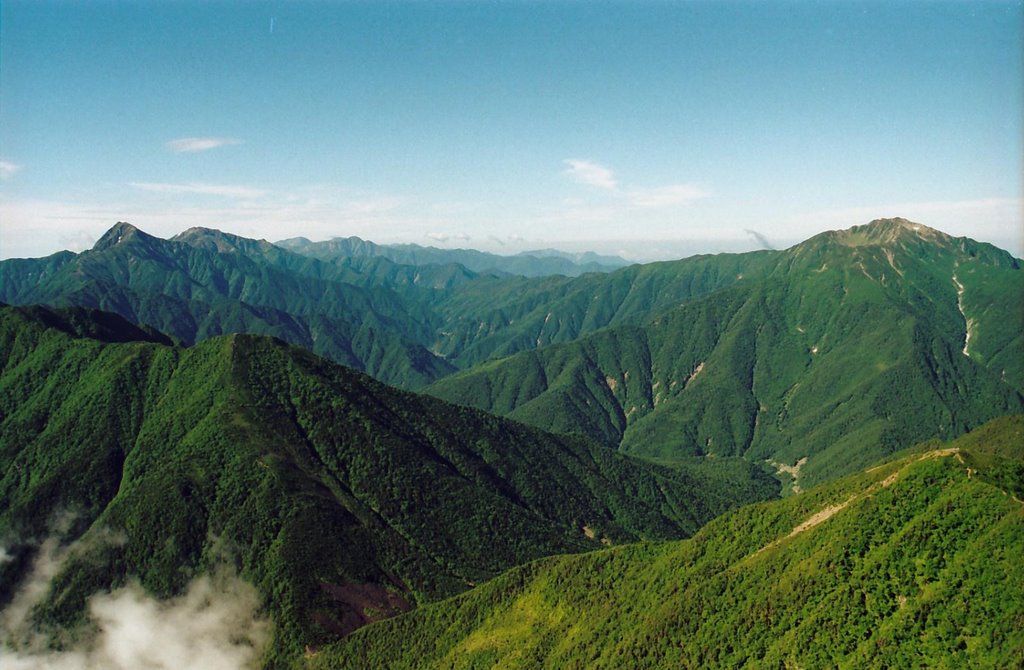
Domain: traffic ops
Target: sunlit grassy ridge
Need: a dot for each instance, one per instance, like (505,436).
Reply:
(914,563)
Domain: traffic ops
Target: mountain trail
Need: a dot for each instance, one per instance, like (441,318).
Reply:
(829,511)
(820,517)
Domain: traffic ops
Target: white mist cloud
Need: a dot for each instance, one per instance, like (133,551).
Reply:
(590,174)
(8,169)
(214,625)
(195,144)
(14,617)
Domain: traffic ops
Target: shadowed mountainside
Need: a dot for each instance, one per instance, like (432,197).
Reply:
(341,499)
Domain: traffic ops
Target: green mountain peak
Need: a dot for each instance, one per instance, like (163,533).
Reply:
(119,233)
(888,231)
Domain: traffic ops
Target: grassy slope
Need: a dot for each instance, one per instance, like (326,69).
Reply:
(914,563)
(317,482)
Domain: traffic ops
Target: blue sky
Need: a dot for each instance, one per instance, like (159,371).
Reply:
(649,129)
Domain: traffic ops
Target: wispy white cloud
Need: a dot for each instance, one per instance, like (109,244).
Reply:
(190,145)
(603,178)
(590,174)
(225,190)
(665,196)
(8,169)
(447,237)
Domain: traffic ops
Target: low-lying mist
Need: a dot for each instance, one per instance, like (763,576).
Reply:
(214,625)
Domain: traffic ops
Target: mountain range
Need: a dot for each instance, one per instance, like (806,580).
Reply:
(538,263)
(174,408)
(830,354)
(788,357)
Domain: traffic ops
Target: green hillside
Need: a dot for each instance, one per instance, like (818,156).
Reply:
(911,564)
(204,283)
(850,346)
(502,316)
(341,499)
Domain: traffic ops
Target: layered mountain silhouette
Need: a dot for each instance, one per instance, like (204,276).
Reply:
(528,263)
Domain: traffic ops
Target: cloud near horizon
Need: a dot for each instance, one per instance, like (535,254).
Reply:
(590,174)
(191,145)
(8,169)
(445,237)
(196,188)
(603,178)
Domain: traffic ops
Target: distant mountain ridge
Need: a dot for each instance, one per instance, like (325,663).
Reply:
(539,263)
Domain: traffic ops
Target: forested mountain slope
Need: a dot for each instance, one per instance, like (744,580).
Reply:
(205,283)
(404,324)
(914,563)
(839,350)
(850,346)
(341,499)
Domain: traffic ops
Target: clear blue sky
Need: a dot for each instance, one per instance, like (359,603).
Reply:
(652,129)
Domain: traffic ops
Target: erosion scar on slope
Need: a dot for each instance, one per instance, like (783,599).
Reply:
(968,322)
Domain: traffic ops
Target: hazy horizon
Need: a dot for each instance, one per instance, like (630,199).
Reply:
(647,130)
(648,250)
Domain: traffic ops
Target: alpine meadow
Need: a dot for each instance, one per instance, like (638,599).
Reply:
(532,335)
